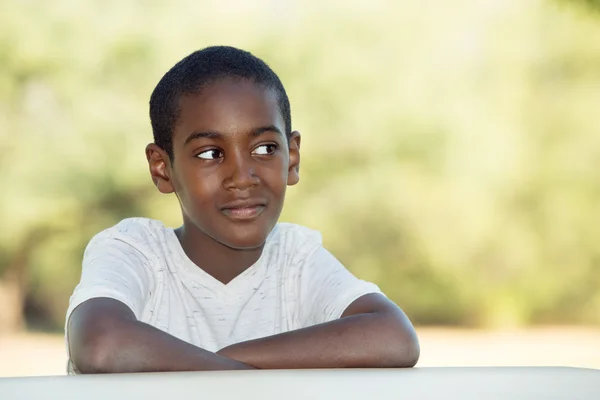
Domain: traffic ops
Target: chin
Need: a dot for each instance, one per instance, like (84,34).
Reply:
(244,240)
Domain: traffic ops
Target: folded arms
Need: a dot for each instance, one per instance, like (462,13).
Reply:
(105,337)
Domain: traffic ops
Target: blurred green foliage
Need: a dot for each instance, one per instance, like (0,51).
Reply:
(593,5)
(450,151)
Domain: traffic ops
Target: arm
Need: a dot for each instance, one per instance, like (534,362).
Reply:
(373,332)
(105,337)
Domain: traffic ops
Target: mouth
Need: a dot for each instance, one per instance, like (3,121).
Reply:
(244,210)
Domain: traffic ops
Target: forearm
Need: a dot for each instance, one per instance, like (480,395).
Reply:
(101,343)
(364,340)
(144,348)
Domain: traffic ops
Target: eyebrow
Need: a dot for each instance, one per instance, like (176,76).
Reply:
(217,135)
(270,128)
(200,135)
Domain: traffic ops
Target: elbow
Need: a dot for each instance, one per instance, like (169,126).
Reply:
(97,331)
(95,350)
(403,349)
(95,356)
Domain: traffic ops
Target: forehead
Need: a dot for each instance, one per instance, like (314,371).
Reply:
(229,107)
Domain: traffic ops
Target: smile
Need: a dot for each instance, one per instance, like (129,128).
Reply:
(244,210)
(244,213)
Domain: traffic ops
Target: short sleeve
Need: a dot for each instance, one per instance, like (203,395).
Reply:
(328,288)
(114,268)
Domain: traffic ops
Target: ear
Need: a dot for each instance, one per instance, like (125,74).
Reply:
(160,168)
(294,165)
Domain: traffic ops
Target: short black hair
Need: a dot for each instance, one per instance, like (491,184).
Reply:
(197,71)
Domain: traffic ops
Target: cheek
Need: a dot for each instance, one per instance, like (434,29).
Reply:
(278,177)
(274,172)
(199,186)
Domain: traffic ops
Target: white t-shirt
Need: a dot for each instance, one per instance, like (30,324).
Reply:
(295,283)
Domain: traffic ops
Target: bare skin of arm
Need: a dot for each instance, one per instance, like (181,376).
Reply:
(105,337)
(372,333)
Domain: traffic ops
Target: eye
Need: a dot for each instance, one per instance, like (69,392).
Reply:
(211,154)
(265,149)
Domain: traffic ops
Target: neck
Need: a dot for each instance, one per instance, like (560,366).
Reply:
(221,262)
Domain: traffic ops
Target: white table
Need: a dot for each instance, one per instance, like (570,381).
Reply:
(513,383)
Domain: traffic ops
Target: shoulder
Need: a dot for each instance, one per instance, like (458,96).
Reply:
(135,228)
(142,234)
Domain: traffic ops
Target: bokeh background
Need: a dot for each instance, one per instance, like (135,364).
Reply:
(450,153)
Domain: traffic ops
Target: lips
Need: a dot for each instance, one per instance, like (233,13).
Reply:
(246,209)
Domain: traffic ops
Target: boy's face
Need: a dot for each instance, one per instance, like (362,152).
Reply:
(232,162)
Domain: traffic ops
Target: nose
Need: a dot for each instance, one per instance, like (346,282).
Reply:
(241,173)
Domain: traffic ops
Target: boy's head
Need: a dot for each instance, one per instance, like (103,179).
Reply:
(224,144)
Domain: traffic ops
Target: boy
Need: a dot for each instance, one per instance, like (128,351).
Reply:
(231,288)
